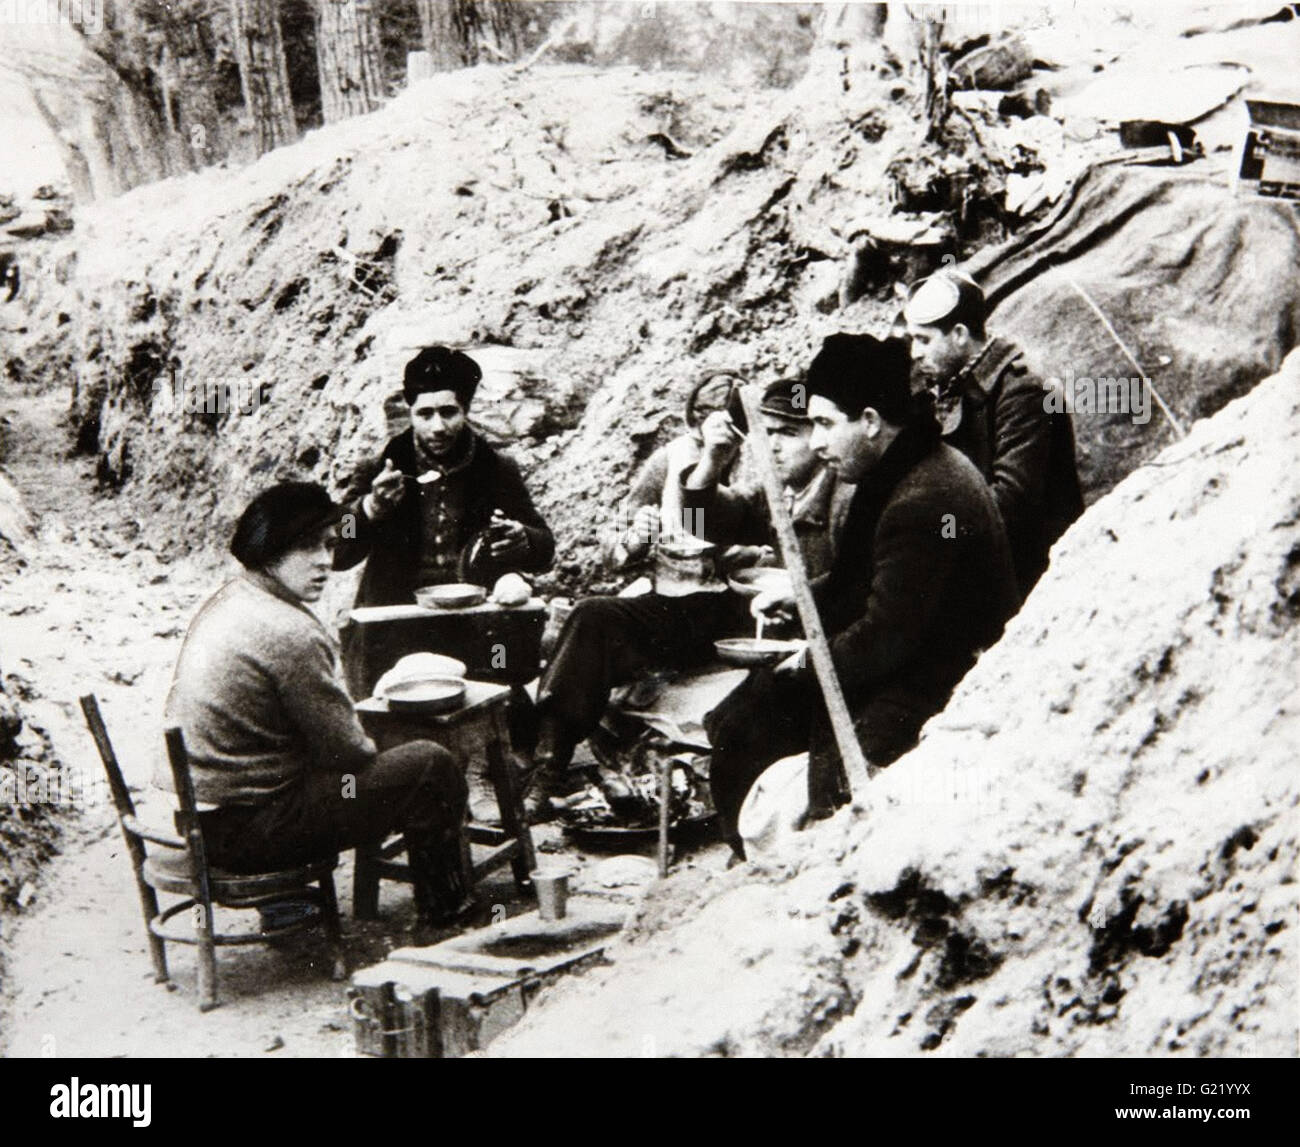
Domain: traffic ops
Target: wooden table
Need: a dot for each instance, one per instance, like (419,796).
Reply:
(478,725)
(496,642)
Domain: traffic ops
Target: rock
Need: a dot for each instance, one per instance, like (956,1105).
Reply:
(999,66)
(16,526)
(11,724)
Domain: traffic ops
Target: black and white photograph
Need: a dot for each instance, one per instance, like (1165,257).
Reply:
(566,529)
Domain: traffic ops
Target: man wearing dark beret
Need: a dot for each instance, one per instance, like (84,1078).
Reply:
(439,505)
(275,747)
(921,581)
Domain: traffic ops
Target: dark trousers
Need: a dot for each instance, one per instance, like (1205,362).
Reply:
(607,641)
(418,788)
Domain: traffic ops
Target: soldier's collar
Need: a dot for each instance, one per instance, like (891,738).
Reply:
(987,366)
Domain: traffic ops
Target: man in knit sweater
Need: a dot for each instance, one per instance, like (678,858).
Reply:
(275,747)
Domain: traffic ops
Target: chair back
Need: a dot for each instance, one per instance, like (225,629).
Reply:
(187,817)
(134,832)
(117,785)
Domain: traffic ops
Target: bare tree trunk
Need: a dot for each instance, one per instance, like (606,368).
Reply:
(929,20)
(190,104)
(259,49)
(847,40)
(350,58)
(459,33)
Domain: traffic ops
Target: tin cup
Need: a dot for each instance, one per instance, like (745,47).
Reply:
(552,887)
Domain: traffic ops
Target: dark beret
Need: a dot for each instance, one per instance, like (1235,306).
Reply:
(441,368)
(280,518)
(858,371)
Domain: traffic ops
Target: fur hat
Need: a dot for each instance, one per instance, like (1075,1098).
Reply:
(857,371)
(440,368)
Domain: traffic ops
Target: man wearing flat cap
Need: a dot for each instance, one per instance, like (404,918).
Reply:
(816,499)
(276,751)
(439,505)
(921,581)
(991,407)
(607,641)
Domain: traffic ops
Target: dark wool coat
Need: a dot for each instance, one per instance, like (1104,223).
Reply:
(922,581)
(994,412)
(259,698)
(392,548)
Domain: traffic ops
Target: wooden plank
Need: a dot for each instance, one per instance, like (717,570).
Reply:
(855,763)
(379,614)
(495,858)
(478,696)
(665,803)
(486,833)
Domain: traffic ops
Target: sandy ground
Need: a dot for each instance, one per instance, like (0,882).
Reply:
(93,612)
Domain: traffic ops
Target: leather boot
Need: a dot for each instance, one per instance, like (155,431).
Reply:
(442,877)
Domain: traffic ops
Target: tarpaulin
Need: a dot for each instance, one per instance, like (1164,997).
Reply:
(1203,287)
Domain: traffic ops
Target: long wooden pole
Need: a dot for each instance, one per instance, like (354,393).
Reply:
(855,763)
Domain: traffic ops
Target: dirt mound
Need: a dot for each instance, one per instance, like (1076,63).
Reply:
(597,264)
(246,325)
(31,784)
(1093,850)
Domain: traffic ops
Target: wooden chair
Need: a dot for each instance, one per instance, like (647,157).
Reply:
(179,865)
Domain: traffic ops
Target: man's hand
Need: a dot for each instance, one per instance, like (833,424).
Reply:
(643,532)
(773,605)
(507,539)
(795,663)
(385,492)
(719,442)
(747,557)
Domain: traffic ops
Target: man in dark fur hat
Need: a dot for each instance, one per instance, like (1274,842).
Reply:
(921,581)
(607,641)
(439,505)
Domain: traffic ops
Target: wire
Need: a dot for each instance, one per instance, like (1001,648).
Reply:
(1169,414)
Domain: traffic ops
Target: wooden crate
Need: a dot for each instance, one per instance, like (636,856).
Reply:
(454,998)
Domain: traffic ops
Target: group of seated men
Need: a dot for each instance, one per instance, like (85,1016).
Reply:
(926,478)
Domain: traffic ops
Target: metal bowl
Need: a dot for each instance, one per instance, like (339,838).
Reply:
(458,595)
(749,651)
(758,579)
(431,695)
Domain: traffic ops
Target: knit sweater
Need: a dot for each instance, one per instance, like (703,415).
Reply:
(258,697)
